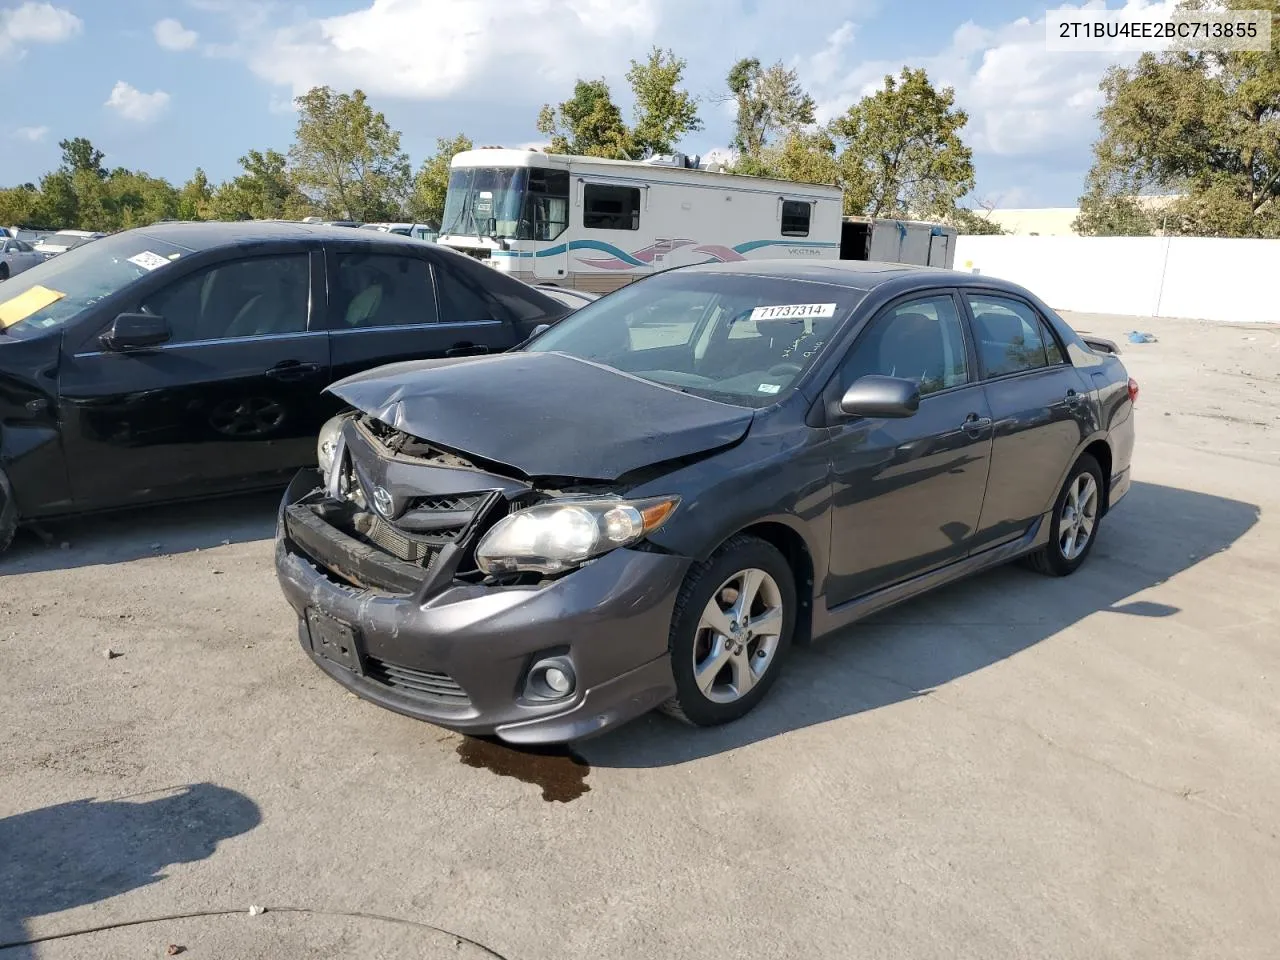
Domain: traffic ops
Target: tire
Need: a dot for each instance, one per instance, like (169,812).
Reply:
(8,513)
(1055,559)
(4,271)
(739,654)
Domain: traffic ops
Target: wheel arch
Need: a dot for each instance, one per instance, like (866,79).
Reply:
(791,543)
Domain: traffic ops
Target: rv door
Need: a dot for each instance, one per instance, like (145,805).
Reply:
(938,244)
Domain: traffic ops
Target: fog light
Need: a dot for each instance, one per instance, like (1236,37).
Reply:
(556,681)
(550,679)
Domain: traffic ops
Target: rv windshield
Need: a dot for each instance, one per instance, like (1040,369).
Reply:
(485,201)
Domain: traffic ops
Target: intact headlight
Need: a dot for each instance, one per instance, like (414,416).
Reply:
(556,536)
(327,442)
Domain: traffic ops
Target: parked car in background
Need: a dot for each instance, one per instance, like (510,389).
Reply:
(16,256)
(187,359)
(61,241)
(420,231)
(751,454)
(569,297)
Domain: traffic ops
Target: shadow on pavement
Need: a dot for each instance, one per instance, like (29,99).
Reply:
(143,532)
(72,854)
(1155,533)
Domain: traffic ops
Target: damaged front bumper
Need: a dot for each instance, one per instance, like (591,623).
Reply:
(459,653)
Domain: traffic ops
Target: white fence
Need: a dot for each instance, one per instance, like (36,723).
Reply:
(1191,277)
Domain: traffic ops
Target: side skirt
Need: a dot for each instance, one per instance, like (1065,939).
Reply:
(829,619)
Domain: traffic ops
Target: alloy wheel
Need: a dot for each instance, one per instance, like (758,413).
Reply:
(738,635)
(1079,515)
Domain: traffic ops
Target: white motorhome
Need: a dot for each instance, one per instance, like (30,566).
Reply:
(596,224)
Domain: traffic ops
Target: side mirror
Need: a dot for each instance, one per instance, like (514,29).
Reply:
(133,330)
(876,396)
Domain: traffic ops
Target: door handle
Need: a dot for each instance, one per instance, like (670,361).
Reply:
(466,350)
(1073,399)
(292,370)
(974,424)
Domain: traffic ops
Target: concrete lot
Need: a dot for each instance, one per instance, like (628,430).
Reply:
(1013,767)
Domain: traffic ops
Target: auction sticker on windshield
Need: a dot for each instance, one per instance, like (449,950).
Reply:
(148,260)
(26,303)
(794,311)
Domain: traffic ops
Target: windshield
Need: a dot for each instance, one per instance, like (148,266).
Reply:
(736,338)
(54,292)
(484,201)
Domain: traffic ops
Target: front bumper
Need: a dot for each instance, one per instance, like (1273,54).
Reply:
(458,656)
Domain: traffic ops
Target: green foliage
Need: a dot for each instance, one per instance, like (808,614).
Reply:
(1200,124)
(265,191)
(664,112)
(903,155)
(770,102)
(347,158)
(195,199)
(79,154)
(19,205)
(971,223)
(588,124)
(426,202)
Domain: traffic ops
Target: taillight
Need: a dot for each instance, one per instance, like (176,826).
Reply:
(1133,390)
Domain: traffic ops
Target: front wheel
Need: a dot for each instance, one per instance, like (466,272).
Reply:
(8,513)
(4,271)
(730,632)
(1077,515)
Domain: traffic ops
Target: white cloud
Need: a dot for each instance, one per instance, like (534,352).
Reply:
(1021,98)
(31,134)
(34,22)
(172,35)
(132,104)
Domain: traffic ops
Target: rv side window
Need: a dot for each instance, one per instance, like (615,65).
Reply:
(795,218)
(610,208)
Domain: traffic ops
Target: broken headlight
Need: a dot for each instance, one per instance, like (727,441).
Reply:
(557,536)
(327,443)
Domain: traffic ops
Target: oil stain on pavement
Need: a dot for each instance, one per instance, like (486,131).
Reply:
(557,770)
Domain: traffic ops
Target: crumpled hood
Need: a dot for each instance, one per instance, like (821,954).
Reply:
(544,414)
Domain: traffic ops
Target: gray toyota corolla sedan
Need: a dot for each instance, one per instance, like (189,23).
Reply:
(653,500)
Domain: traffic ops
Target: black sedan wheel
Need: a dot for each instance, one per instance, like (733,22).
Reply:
(730,632)
(1077,515)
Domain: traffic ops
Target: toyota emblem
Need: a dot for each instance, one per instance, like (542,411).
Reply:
(383,501)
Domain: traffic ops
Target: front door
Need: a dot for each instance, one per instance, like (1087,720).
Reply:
(907,493)
(230,401)
(389,307)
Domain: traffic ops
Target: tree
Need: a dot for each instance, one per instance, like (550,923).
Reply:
(903,155)
(57,206)
(18,205)
(971,223)
(426,203)
(769,101)
(265,191)
(347,157)
(588,124)
(803,157)
(195,199)
(664,112)
(1201,124)
(79,154)
(133,199)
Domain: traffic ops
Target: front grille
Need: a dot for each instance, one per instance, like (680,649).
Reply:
(419,684)
(471,503)
(377,531)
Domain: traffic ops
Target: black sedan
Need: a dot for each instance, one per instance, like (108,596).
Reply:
(188,359)
(653,500)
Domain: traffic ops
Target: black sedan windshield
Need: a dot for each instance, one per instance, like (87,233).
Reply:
(736,338)
(56,291)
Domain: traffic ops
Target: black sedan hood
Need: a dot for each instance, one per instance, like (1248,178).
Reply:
(544,414)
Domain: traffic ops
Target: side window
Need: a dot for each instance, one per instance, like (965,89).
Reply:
(921,340)
(381,290)
(243,298)
(610,208)
(1052,349)
(546,212)
(795,218)
(1009,334)
(461,301)
(23,247)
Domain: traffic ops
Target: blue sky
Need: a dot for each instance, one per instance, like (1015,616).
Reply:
(169,85)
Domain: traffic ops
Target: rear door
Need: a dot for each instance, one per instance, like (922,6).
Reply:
(388,304)
(231,401)
(1040,405)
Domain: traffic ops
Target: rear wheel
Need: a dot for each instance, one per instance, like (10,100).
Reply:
(8,513)
(4,271)
(730,632)
(1077,515)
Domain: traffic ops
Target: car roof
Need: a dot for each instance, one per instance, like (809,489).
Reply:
(205,235)
(864,275)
